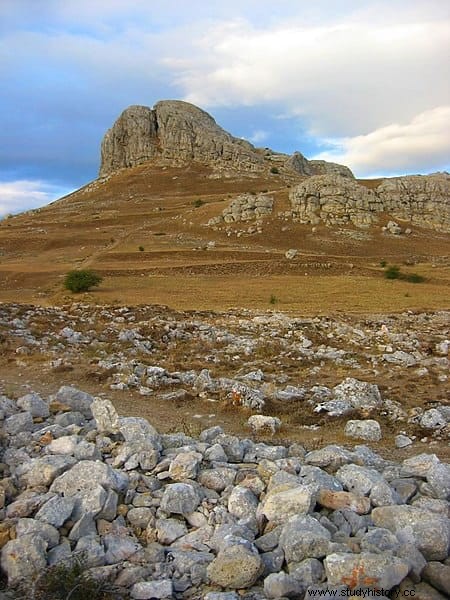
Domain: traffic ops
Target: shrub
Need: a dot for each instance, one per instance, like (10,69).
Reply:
(392,272)
(383,263)
(81,281)
(198,203)
(414,278)
(273,299)
(141,248)
(67,579)
(274,170)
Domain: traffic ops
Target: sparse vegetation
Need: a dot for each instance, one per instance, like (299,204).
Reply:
(81,281)
(383,263)
(273,299)
(199,202)
(141,248)
(67,579)
(413,278)
(393,272)
(274,170)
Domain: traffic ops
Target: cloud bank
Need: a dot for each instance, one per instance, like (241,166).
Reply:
(24,195)
(364,82)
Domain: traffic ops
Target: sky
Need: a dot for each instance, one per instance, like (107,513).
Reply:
(361,82)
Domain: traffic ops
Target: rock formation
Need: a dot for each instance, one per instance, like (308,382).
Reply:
(174,132)
(422,200)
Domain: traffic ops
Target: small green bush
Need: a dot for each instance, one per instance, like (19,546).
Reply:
(141,248)
(274,170)
(414,278)
(198,203)
(383,263)
(67,579)
(273,299)
(392,272)
(81,281)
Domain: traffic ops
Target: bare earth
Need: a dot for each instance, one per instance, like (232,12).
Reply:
(336,276)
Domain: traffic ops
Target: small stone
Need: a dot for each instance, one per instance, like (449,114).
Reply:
(105,415)
(185,466)
(365,570)
(367,429)
(237,566)
(56,511)
(340,500)
(119,548)
(279,506)
(242,502)
(304,537)
(19,422)
(146,590)
(24,558)
(438,575)
(76,399)
(402,441)
(277,585)
(34,404)
(180,498)
(430,532)
(169,530)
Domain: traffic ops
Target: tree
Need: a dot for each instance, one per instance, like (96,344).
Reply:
(81,281)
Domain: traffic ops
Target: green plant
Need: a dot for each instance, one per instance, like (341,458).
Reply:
(68,579)
(199,202)
(392,272)
(383,263)
(274,170)
(413,278)
(141,248)
(81,281)
(273,299)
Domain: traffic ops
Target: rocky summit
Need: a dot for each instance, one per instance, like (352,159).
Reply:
(176,133)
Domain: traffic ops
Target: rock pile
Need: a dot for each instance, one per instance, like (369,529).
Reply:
(337,200)
(246,207)
(218,517)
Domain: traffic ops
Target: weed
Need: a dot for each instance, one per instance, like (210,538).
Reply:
(274,170)
(392,272)
(383,263)
(413,278)
(67,579)
(199,202)
(141,248)
(81,281)
(273,299)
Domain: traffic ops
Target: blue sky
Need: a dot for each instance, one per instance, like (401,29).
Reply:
(361,82)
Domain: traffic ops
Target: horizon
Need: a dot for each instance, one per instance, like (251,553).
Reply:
(364,84)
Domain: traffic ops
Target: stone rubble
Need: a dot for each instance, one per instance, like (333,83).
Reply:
(212,516)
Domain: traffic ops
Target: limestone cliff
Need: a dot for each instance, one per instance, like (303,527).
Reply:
(174,132)
(422,200)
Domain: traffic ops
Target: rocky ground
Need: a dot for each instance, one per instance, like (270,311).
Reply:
(279,456)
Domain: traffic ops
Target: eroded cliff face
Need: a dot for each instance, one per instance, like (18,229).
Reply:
(423,200)
(173,132)
(176,133)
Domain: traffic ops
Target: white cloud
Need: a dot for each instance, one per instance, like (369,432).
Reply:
(418,145)
(259,136)
(24,194)
(346,78)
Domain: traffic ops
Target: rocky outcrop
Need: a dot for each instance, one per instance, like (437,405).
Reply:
(334,200)
(245,207)
(174,132)
(301,165)
(422,200)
